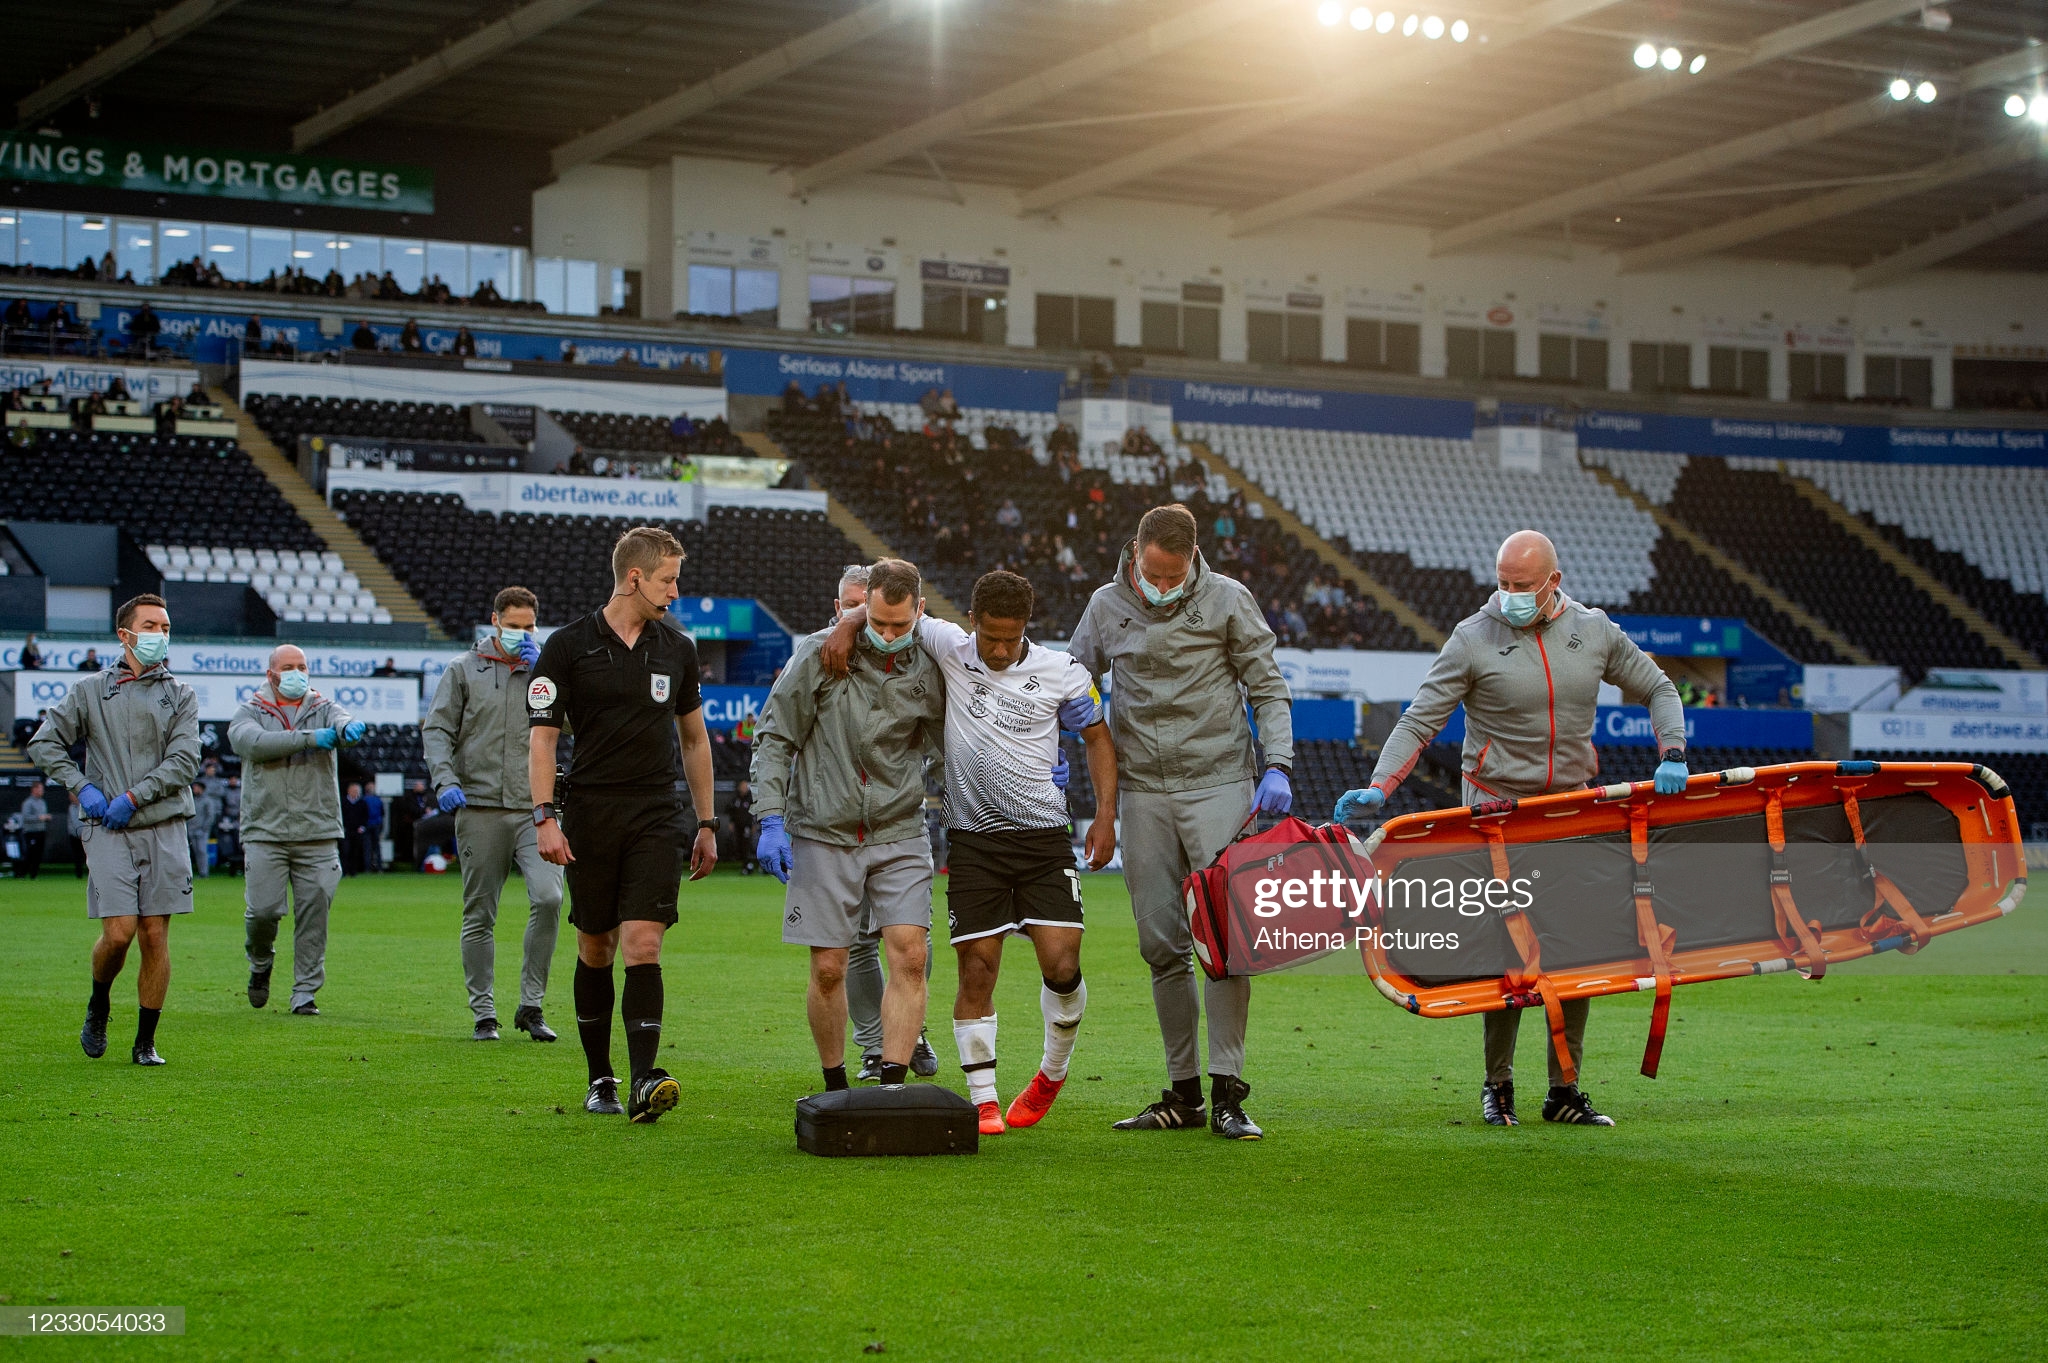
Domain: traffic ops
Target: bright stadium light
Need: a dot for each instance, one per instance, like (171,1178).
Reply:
(1699,64)
(1432,28)
(1409,25)
(1460,31)
(1328,13)
(1361,19)
(2038,110)
(1901,90)
(1646,56)
(1385,23)
(2015,106)
(1669,58)
(1925,92)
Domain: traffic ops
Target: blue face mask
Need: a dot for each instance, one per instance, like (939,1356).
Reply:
(292,685)
(1519,607)
(1157,597)
(511,639)
(151,649)
(896,645)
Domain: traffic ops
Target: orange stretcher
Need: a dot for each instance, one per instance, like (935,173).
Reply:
(1751,871)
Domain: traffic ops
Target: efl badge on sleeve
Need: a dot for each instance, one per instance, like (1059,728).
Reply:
(657,682)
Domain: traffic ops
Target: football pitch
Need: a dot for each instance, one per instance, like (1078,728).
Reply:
(1850,1168)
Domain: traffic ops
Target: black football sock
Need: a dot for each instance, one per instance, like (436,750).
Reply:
(594,1016)
(835,1078)
(1218,1083)
(101,1004)
(640,1010)
(145,1027)
(1190,1090)
(894,1074)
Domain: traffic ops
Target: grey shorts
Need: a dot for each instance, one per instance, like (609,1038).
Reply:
(137,872)
(827,885)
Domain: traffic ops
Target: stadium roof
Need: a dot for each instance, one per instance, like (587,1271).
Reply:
(1784,145)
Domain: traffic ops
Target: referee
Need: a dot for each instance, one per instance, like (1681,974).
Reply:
(624,679)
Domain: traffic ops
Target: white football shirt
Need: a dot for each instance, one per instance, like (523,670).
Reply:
(1002,731)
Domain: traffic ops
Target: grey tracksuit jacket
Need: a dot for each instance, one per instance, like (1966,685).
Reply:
(475,733)
(290,792)
(843,760)
(1179,678)
(1530,698)
(141,736)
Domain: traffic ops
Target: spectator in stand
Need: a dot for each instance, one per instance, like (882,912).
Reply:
(410,340)
(1009,517)
(18,317)
(355,829)
(387,668)
(373,845)
(90,662)
(570,355)
(143,328)
(252,335)
(465,343)
(35,833)
(108,269)
(405,813)
(364,338)
(31,655)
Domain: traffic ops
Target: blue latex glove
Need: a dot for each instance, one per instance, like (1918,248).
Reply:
(120,811)
(772,850)
(453,799)
(92,802)
(1275,795)
(1060,770)
(325,738)
(353,732)
(1078,713)
(1670,778)
(529,651)
(1354,802)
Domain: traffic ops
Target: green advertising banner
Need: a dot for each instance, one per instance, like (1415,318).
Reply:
(229,175)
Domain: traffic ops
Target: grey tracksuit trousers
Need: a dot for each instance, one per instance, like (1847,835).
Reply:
(492,842)
(310,871)
(1164,837)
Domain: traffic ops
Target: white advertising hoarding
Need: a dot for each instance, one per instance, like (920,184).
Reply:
(375,700)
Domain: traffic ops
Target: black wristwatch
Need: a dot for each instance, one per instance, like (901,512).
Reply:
(1672,755)
(711,824)
(542,813)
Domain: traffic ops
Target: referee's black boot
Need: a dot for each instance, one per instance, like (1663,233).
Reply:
(528,1020)
(1497,1103)
(1226,1109)
(654,1093)
(259,988)
(93,1036)
(604,1098)
(486,1030)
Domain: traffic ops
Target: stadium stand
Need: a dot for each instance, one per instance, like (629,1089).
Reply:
(387,747)
(1977,529)
(2026,774)
(607,431)
(455,560)
(285,419)
(1749,511)
(1020,493)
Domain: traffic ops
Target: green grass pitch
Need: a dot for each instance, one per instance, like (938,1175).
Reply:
(1847,1169)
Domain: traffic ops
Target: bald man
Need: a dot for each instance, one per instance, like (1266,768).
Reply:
(1527,669)
(287,735)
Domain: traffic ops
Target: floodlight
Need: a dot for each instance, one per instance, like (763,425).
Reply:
(1669,58)
(2015,105)
(1460,31)
(1408,26)
(1901,90)
(1646,56)
(1328,13)
(1432,27)
(1925,92)
(1385,23)
(1699,64)
(1361,19)
(2038,109)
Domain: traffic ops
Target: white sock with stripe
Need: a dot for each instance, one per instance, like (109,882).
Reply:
(1062,1024)
(976,1038)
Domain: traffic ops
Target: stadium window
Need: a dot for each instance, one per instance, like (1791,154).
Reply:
(966,312)
(490,265)
(1461,352)
(270,253)
(1294,334)
(227,249)
(1908,379)
(1580,360)
(750,296)
(357,256)
(579,285)
(87,236)
(1734,370)
(7,237)
(1392,347)
(312,252)
(135,249)
(1817,376)
(1496,354)
(1066,320)
(449,261)
(550,282)
(1192,327)
(622,293)
(406,261)
(40,239)
(1654,367)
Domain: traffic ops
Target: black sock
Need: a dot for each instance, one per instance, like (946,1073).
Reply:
(1190,1090)
(895,1074)
(145,1027)
(594,1016)
(640,1010)
(1217,1084)
(101,1004)
(835,1078)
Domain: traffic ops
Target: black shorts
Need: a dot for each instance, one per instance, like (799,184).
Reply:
(1006,882)
(630,849)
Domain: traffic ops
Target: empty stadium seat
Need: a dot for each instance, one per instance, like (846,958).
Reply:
(285,419)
